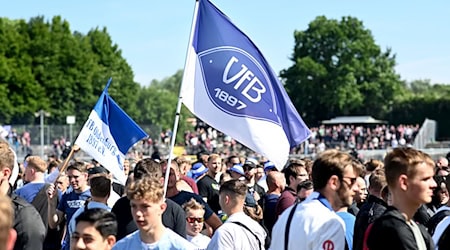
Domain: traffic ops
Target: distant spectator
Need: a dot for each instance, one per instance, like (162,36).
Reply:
(304,189)
(294,173)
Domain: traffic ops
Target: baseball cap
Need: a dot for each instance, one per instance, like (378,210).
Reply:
(197,170)
(269,166)
(251,162)
(238,169)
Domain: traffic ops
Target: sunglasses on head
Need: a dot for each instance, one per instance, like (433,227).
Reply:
(194,219)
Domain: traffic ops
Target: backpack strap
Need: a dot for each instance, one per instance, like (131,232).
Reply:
(288,226)
(41,195)
(436,219)
(366,236)
(248,229)
(40,202)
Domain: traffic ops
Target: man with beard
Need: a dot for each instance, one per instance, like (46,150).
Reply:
(313,224)
(409,175)
(208,187)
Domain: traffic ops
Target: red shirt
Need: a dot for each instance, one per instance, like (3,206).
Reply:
(191,183)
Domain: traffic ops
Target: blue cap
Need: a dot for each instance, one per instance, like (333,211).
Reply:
(238,169)
(197,170)
(269,166)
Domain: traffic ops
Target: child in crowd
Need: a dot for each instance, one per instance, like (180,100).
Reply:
(194,224)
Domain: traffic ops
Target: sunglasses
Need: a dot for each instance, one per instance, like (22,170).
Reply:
(194,219)
(352,180)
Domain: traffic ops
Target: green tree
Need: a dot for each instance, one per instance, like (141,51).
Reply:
(24,95)
(44,65)
(339,70)
(158,104)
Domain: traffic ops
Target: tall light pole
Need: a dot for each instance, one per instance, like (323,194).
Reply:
(70,119)
(41,114)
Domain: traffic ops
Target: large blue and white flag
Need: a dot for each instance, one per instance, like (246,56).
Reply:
(228,84)
(108,134)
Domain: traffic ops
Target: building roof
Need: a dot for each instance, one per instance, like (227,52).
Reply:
(353,120)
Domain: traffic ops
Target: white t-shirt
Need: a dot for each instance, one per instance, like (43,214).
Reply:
(314,226)
(200,240)
(231,236)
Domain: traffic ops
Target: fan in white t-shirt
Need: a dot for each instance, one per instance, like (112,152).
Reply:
(194,224)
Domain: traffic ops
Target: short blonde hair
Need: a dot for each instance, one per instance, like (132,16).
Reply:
(6,156)
(36,163)
(404,161)
(192,204)
(147,188)
(212,157)
(6,219)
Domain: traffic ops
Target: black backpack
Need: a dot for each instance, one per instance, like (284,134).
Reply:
(435,219)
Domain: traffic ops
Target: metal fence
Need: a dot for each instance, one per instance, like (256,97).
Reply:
(68,132)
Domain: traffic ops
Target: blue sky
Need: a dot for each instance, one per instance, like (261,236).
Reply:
(153,35)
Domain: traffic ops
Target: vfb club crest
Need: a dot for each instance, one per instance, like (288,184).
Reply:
(238,84)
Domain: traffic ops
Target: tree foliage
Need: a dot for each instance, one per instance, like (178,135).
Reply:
(339,70)
(43,65)
(159,101)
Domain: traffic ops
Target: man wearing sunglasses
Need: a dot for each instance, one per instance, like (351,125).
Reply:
(313,224)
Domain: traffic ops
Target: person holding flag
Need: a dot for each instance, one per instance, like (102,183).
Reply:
(108,134)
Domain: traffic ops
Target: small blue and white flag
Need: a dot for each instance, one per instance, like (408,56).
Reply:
(228,84)
(108,134)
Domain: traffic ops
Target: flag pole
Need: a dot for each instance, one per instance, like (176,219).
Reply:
(180,98)
(65,163)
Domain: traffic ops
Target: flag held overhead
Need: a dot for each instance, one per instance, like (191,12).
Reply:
(228,84)
(108,134)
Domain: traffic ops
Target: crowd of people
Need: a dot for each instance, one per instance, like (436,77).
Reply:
(342,136)
(330,202)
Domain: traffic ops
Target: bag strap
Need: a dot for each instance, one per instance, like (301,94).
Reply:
(288,226)
(42,194)
(248,229)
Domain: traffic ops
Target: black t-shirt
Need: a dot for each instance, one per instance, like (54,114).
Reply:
(173,217)
(118,188)
(209,188)
(183,197)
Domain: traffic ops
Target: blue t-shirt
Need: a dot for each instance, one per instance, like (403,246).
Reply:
(69,204)
(71,201)
(168,241)
(270,214)
(29,191)
(349,220)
